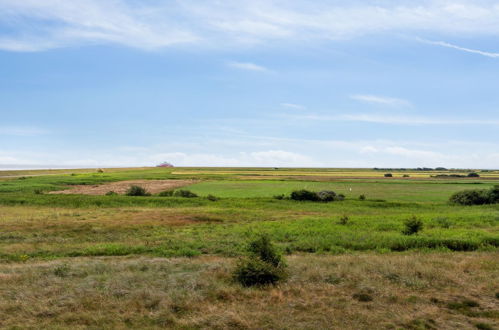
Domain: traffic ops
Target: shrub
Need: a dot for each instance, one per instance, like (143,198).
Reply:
(443,222)
(362,197)
(344,220)
(473,197)
(100,170)
(326,195)
(166,193)
(137,191)
(412,226)
(406,176)
(304,195)
(340,197)
(38,191)
(280,197)
(111,193)
(212,198)
(263,266)
(388,175)
(184,193)
(264,250)
(473,175)
(362,297)
(255,272)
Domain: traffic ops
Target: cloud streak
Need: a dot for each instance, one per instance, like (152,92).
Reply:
(393,120)
(468,50)
(381,100)
(247,66)
(33,25)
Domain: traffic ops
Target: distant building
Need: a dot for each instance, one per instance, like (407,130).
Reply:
(164,164)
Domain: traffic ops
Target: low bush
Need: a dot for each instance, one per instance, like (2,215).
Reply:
(304,195)
(476,197)
(137,191)
(279,197)
(344,220)
(321,196)
(111,193)
(362,197)
(166,193)
(263,266)
(473,175)
(326,195)
(212,198)
(184,193)
(412,226)
(388,175)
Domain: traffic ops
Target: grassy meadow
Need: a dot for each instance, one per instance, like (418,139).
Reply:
(120,261)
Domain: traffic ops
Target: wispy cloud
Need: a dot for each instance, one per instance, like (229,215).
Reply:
(293,106)
(40,25)
(21,131)
(33,25)
(248,66)
(468,50)
(382,100)
(394,120)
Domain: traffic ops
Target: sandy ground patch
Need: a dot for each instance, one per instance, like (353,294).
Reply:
(152,186)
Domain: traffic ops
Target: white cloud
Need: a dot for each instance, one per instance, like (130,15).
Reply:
(394,119)
(248,66)
(468,50)
(293,106)
(42,25)
(270,152)
(404,152)
(21,131)
(382,100)
(38,25)
(258,158)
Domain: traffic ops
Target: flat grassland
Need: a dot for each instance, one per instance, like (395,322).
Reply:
(87,261)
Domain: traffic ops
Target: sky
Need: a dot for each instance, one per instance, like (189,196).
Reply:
(288,83)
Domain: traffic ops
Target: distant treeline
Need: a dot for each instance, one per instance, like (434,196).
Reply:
(425,169)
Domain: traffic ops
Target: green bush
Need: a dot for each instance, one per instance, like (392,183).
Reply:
(362,197)
(326,195)
(304,195)
(412,226)
(473,175)
(212,198)
(344,220)
(166,193)
(279,197)
(388,175)
(184,193)
(255,272)
(263,249)
(137,191)
(476,197)
(263,266)
(321,196)
(111,193)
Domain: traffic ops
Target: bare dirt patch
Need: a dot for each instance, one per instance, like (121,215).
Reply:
(120,187)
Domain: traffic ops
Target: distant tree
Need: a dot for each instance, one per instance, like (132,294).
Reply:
(165,164)
(388,175)
(473,175)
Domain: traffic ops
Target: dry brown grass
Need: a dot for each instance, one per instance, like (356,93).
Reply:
(152,186)
(408,291)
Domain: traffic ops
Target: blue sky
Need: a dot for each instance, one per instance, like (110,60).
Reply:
(249,83)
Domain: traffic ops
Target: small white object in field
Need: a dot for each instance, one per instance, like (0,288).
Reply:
(350,189)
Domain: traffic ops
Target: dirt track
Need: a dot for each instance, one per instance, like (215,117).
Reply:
(152,186)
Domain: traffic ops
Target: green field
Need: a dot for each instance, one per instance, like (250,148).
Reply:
(84,232)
